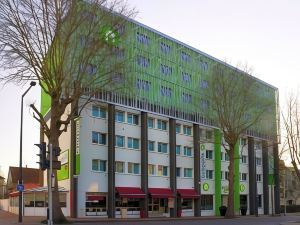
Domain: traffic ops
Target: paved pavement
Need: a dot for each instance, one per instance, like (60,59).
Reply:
(291,219)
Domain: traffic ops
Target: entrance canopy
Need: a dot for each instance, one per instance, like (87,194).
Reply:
(188,193)
(161,193)
(130,192)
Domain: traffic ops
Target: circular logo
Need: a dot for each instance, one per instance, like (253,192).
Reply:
(202,147)
(242,188)
(205,187)
(110,36)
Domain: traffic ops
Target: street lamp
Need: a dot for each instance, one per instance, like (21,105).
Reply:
(32,83)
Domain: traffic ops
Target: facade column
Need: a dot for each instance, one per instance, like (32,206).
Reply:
(252,176)
(111,162)
(197,180)
(173,181)
(265,159)
(144,161)
(276,179)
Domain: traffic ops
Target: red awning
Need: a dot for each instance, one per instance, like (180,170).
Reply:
(161,192)
(130,192)
(188,193)
(95,198)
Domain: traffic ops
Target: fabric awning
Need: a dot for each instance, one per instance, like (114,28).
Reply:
(188,193)
(95,198)
(130,192)
(161,192)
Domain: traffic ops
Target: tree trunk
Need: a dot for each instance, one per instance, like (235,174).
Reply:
(230,205)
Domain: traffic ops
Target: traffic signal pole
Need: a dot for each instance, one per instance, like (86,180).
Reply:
(50,219)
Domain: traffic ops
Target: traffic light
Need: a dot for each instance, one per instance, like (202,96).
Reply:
(56,151)
(42,156)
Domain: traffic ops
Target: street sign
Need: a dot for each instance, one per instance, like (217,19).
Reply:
(20,187)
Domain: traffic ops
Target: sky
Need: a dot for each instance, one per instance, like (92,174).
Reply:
(263,34)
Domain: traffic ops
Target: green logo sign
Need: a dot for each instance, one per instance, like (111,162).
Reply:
(205,187)
(202,147)
(109,35)
(242,188)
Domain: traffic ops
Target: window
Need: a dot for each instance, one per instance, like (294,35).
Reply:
(186,98)
(143,84)
(258,177)
(187,130)
(258,161)
(133,168)
(203,65)
(142,38)
(151,146)
(243,177)
(209,174)
(178,128)
(98,112)
(244,159)
(119,167)
(162,147)
(243,141)
(259,201)
(132,119)
(120,141)
(98,138)
(209,154)
(99,165)
(118,78)
(185,57)
(204,84)
(162,170)
(166,70)
(178,172)
(209,135)
(207,202)
(222,175)
(151,169)
(226,175)
(165,91)
(120,116)
(178,149)
(227,157)
(188,172)
(187,151)
(133,143)
(165,48)
(150,123)
(186,77)
(161,124)
(257,145)
(119,53)
(89,69)
(187,203)
(143,61)
(204,104)
(222,156)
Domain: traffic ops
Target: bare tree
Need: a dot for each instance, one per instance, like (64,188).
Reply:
(235,107)
(71,47)
(291,125)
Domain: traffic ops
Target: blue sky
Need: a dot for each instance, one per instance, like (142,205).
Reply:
(263,34)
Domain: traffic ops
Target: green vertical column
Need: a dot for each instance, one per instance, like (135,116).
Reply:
(218,141)
(236,178)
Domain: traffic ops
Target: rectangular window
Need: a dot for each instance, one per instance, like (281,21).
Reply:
(178,172)
(207,202)
(162,147)
(227,157)
(258,177)
(151,146)
(165,91)
(226,175)
(166,70)
(187,203)
(133,143)
(187,151)
(204,84)
(186,98)
(188,172)
(150,123)
(187,130)
(204,104)
(120,116)
(209,154)
(243,141)
(222,156)
(243,177)
(132,119)
(143,85)
(161,124)
(142,38)
(119,167)
(143,61)
(203,65)
(178,128)
(120,141)
(162,170)
(258,161)
(209,174)
(98,138)
(134,168)
(244,159)
(209,135)
(259,201)
(99,165)
(98,112)
(165,48)
(185,57)
(178,149)
(151,169)
(222,175)
(186,77)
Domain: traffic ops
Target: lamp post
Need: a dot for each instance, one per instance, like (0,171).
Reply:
(32,83)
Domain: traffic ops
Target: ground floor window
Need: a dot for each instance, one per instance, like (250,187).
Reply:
(259,201)
(243,201)
(207,202)
(95,203)
(187,203)
(132,204)
(158,205)
(224,200)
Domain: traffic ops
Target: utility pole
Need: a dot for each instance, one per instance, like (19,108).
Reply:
(50,205)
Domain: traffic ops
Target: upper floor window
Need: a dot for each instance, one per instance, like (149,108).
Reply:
(118,52)
(165,48)
(165,91)
(133,143)
(120,141)
(166,70)
(98,138)
(227,158)
(209,135)
(120,116)
(187,98)
(186,77)
(162,170)
(120,168)
(243,141)
(133,168)
(151,146)
(132,119)
(204,84)
(162,147)
(243,177)
(187,130)
(151,169)
(143,61)
(244,159)
(209,174)
(258,161)
(178,128)
(204,104)
(117,78)
(98,112)
(178,172)
(142,38)
(150,123)
(203,65)
(188,172)
(143,84)
(187,151)
(161,124)
(258,177)
(185,57)
(209,154)
(178,149)
(89,69)
(99,165)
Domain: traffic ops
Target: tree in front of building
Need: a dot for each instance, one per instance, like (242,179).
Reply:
(235,107)
(71,47)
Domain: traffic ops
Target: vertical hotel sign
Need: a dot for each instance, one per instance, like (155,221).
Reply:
(202,161)
(77,146)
